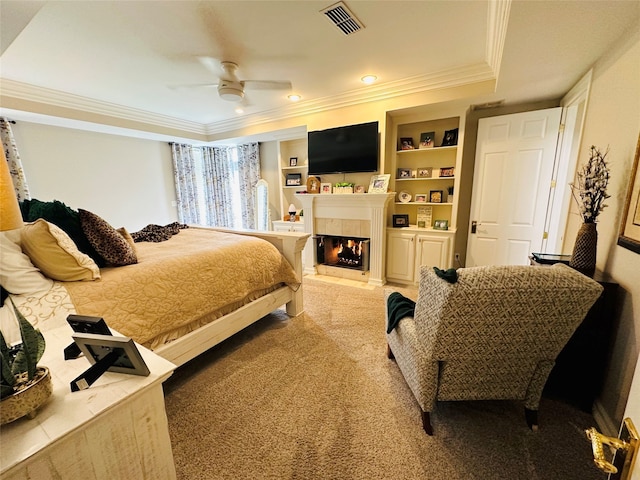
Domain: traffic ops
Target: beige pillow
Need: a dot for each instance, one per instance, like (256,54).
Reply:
(54,253)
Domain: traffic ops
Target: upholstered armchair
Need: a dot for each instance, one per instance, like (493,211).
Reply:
(492,333)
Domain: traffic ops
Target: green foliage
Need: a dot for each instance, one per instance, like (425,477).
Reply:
(24,359)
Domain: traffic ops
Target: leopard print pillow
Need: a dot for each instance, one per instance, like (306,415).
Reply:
(107,241)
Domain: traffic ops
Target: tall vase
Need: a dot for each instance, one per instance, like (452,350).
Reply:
(583,257)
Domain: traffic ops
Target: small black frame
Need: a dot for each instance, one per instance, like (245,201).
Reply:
(400,221)
(294,179)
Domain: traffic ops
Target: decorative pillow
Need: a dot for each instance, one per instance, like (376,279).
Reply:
(64,217)
(17,274)
(54,253)
(110,244)
(127,236)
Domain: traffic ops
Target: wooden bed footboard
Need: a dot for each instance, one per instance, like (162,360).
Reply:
(187,347)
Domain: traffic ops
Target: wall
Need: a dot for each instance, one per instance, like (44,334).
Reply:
(127,181)
(613,120)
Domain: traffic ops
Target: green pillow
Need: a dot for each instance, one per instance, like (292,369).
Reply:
(64,217)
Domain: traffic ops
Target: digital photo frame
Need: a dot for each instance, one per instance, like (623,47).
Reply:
(107,353)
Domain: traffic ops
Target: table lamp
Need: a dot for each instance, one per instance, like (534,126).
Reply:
(292,213)
(10,216)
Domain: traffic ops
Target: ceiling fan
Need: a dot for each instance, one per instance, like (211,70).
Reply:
(231,88)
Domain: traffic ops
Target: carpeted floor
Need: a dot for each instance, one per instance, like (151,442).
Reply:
(316,398)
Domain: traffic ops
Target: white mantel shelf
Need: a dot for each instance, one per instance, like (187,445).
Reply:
(350,206)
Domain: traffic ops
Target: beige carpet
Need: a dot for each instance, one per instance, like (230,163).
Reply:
(316,398)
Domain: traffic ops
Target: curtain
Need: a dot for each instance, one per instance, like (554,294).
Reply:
(230,178)
(13,159)
(185,174)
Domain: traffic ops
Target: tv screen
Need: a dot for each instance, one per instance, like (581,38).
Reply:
(348,149)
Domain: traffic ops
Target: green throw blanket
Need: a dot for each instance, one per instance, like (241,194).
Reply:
(398,307)
(449,275)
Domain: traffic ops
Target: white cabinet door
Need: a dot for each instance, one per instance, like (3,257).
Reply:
(400,256)
(433,251)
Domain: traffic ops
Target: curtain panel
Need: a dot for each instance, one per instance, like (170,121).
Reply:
(13,159)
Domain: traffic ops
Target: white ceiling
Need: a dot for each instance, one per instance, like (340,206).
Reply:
(130,59)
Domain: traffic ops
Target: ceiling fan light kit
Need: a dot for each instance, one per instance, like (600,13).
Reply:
(230,91)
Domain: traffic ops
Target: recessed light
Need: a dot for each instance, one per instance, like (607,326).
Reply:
(369,79)
(239,110)
(294,97)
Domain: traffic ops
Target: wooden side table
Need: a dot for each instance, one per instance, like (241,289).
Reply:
(116,429)
(578,374)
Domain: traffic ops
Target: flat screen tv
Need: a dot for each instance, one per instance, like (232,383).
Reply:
(348,149)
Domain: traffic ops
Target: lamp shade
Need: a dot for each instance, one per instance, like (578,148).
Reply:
(292,208)
(10,216)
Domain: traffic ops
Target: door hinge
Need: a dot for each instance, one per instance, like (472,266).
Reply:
(545,235)
(561,128)
(553,184)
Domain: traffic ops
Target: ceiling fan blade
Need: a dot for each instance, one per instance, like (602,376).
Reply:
(266,85)
(193,85)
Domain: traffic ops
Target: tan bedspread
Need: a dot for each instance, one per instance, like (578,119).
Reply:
(181,281)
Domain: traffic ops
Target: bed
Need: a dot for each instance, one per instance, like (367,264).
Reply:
(183,295)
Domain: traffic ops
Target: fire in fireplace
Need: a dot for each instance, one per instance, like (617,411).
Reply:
(347,252)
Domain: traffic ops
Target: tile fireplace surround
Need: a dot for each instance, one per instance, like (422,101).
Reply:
(356,214)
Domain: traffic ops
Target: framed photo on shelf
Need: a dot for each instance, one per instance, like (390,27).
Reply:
(406,143)
(425,172)
(450,138)
(313,184)
(400,221)
(325,188)
(421,198)
(446,171)
(404,173)
(293,161)
(435,196)
(427,140)
(294,179)
(379,183)
(441,225)
(629,235)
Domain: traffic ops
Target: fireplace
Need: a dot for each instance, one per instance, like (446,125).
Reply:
(345,252)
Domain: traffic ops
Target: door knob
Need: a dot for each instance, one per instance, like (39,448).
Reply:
(625,447)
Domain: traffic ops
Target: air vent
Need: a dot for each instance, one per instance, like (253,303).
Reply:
(342,18)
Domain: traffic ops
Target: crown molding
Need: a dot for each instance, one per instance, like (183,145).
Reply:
(33,93)
(450,78)
(497,20)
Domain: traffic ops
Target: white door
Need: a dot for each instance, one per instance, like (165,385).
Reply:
(511,186)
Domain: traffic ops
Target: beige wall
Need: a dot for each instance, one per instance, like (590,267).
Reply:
(613,120)
(127,181)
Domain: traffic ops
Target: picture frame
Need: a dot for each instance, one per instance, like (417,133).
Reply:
(400,221)
(441,224)
(294,179)
(427,140)
(404,197)
(358,189)
(447,171)
(450,138)
(313,184)
(421,198)
(435,196)
(293,161)
(424,216)
(629,236)
(404,173)
(379,183)
(406,143)
(325,188)
(425,172)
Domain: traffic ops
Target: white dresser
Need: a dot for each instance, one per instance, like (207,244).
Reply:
(116,429)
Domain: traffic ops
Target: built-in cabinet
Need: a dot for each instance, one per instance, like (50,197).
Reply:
(286,226)
(288,150)
(410,248)
(425,167)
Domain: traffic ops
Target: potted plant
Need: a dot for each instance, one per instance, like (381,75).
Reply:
(24,385)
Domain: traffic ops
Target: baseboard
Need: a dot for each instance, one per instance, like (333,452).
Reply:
(606,425)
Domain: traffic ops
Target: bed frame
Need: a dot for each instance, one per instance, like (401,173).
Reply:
(189,346)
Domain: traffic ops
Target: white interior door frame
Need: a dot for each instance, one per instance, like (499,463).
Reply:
(574,105)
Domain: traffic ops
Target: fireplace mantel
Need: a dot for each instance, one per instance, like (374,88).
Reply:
(354,206)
